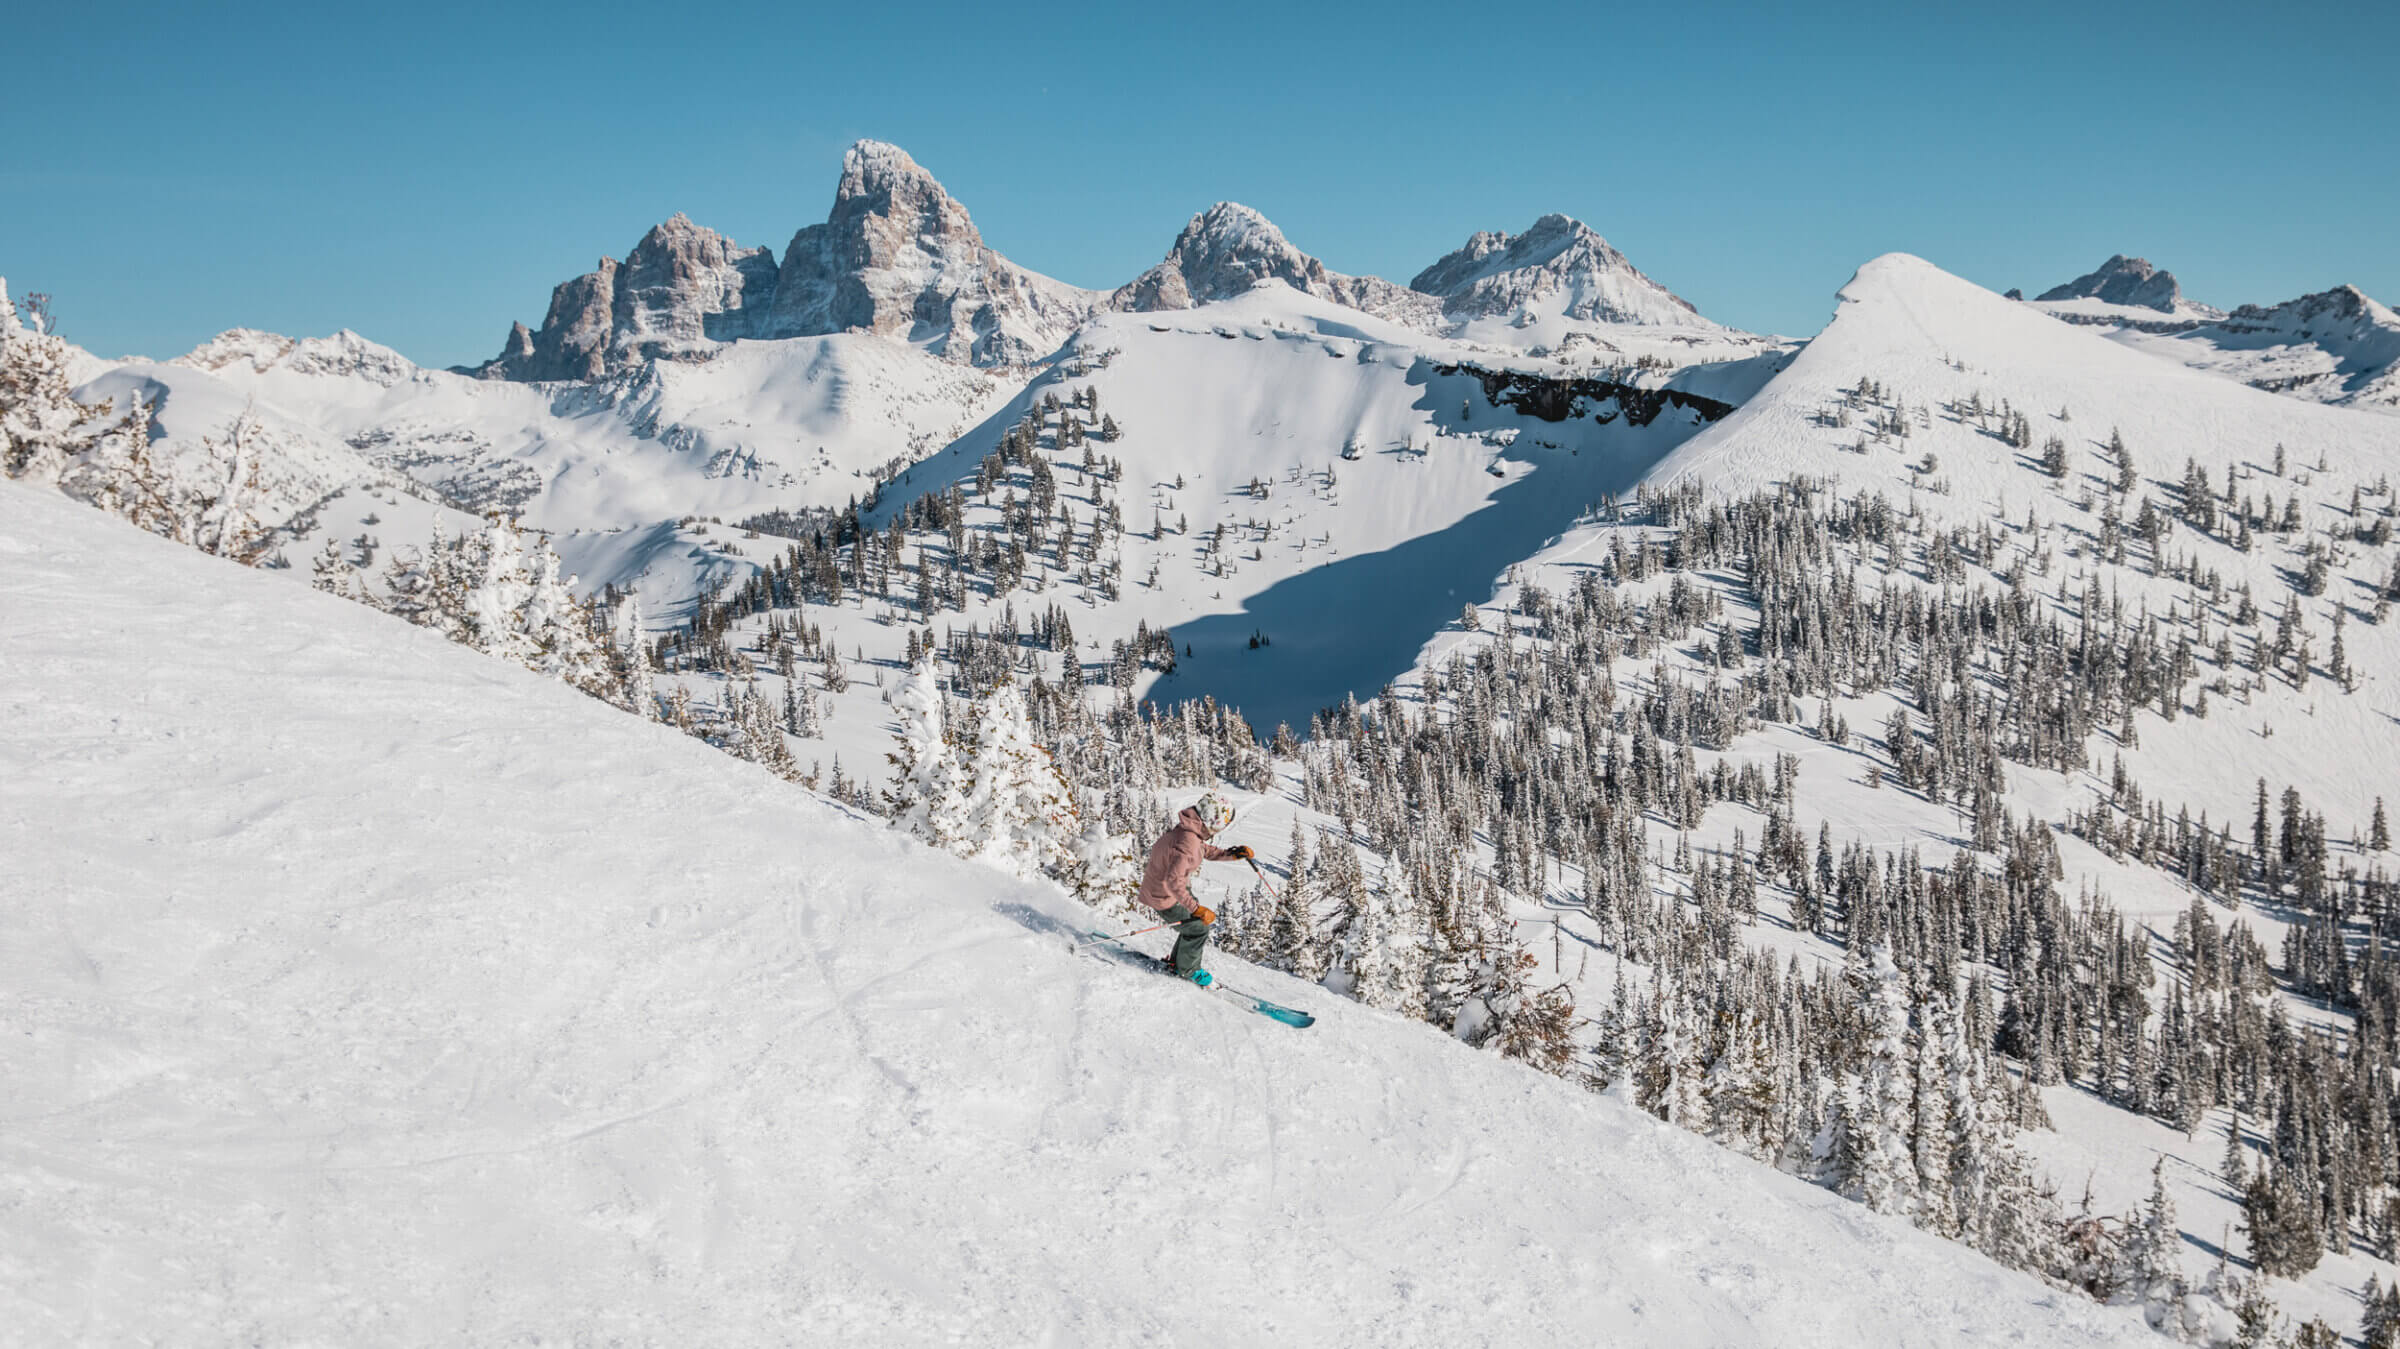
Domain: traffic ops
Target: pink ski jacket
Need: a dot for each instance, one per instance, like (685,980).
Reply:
(1167,877)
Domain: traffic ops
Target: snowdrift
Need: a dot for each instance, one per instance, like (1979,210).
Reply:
(363,990)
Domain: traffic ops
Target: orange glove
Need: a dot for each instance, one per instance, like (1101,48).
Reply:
(1204,913)
(1240,853)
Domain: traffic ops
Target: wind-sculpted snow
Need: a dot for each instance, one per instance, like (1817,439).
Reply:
(359,989)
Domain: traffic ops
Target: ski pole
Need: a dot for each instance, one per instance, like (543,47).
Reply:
(1262,880)
(1110,936)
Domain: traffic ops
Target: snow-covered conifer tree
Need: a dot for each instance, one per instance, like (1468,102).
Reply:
(1390,957)
(1929,1135)
(927,797)
(1533,1026)
(45,435)
(2152,1273)
(1291,938)
(1106,871)
(559,629)
(1343,884)
(499,586)
(1021,817)
(1879,1170)
(332,572)
(633,652)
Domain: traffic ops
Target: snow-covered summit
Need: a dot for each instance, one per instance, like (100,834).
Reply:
(2343,308)
(1229,248)
(1496,273)
(344,353)
(2335,346)
(1932,340)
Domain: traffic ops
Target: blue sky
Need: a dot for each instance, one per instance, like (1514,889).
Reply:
(425,174)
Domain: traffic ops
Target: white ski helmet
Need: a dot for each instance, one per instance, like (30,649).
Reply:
(1215,812)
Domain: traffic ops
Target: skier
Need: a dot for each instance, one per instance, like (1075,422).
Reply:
(1167,880)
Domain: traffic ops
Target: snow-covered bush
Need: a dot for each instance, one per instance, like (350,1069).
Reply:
(206,497)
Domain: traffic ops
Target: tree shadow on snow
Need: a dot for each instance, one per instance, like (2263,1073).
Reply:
(1352,625)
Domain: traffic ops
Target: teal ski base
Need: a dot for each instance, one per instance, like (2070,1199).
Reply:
(1273,1011)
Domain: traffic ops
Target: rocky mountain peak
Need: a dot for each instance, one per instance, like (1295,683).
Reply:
(1229,248)
(899,256)
(684,285)
(2122,280)
(872,168)
(1557,259)
(681,287)
(2342,304)
(1222,252)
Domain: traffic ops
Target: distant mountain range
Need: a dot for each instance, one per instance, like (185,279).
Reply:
(900,257)
(2334,346)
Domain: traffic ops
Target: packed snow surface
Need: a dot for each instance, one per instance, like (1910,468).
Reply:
(359,989)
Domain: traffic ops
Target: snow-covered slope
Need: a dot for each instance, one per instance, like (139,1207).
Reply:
(1915,347)
(1389,489)
(605,1036)
(298,479)
(1936,345)
(1935,340)
(2338,346)
(775,425)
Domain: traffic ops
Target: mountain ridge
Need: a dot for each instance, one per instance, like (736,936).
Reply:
(899,257)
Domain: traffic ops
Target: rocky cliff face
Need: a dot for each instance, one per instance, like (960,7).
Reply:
(2336,346)
(2328,311)
(897,256)
(1558,262)
(2126,281)
(683,284)
(1229,248)
(681,287)
(900,257)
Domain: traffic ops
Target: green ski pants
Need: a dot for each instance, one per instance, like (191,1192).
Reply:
(1190,936)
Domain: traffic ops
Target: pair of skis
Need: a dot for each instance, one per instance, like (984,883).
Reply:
(1273,1011)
